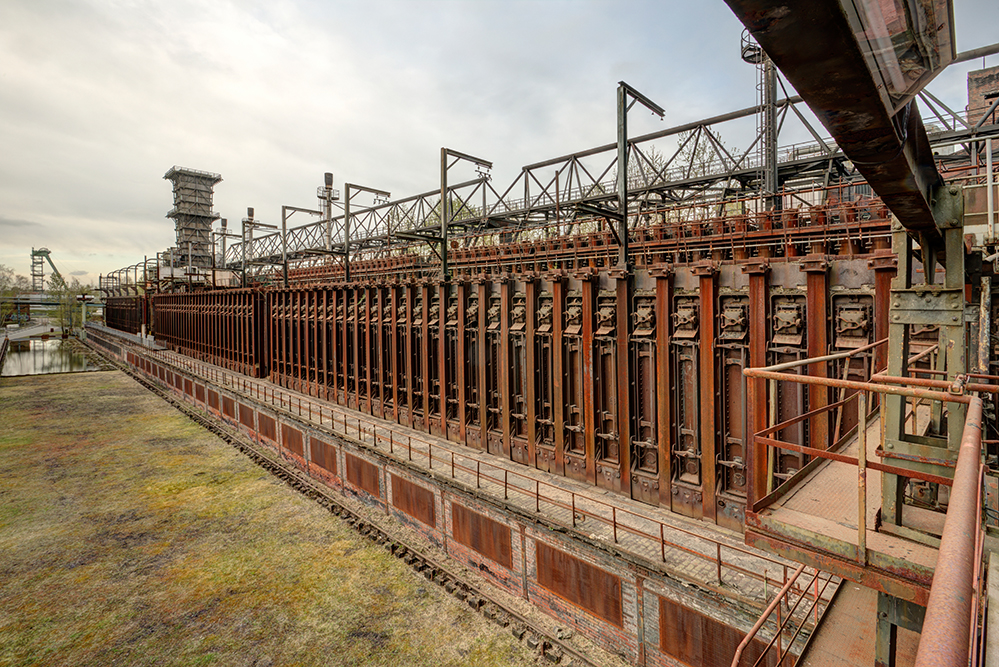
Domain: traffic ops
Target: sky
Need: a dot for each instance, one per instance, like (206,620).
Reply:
(99,98)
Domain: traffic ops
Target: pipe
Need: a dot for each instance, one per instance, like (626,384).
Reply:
(828,357)
(860,386)
(957,386)
(984,323)
(944,640)
(989,202)
(974,54)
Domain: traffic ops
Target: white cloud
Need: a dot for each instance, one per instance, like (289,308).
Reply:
(98,99)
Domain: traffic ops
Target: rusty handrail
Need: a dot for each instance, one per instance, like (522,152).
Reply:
(815,360)
(859,386)
(948,634)
(784,596)
(944,640)
(778,598)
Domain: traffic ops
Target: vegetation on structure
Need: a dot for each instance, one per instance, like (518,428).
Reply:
(11,286)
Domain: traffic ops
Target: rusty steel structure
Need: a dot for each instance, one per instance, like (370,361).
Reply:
(708,336)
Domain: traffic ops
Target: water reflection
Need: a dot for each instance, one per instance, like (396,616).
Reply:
(35,357)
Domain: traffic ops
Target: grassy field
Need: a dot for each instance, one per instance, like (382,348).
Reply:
(129,535)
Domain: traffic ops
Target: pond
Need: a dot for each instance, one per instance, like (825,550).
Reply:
(36,357)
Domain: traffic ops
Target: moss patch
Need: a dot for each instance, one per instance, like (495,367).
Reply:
(132,536)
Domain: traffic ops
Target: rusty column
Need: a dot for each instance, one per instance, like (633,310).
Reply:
(357,354)
(410,297)
(460,364)
(504,365)
(817,318)
(483,290)
(298,328)
(383,387)
(345,386)
(589,407)
(708,286)
(327,353)
(558,376)
(425,354)
(664,383)
(443,294)
(622,331)
(335,350)
(885,265)
(530,289)
(368,298)
(756,400)
(394,348)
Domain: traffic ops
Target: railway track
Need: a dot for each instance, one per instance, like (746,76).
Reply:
(554,649)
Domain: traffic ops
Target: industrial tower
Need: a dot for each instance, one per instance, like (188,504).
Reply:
(192,214)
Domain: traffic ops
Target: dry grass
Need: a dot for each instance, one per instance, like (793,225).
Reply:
(129,535)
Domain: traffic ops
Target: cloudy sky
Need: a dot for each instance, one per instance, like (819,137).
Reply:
(99,98)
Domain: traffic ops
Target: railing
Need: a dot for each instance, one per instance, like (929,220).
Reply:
(789,618)
(559,505)
(951,624)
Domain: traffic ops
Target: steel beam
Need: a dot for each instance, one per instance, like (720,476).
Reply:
(817,49)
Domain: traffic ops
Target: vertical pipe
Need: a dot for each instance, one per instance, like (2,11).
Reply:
(862,478)
(989,195)
(985,325)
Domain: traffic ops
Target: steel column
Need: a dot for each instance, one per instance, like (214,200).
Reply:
(708,298)
(462,289)
(756,463)
(504,366)
(664,384)
(558,374)
(624,381)
(530,290)
(817,318)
